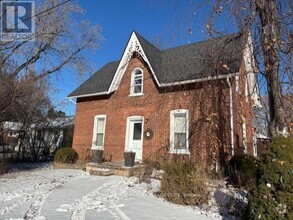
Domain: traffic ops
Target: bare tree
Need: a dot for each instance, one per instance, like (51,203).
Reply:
(23,98)
(26,67)
(270,23)
(59,43)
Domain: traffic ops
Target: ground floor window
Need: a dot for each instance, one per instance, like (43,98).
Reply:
(179,131)
(99,132)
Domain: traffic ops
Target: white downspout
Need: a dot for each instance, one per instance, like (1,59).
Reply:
(231,115)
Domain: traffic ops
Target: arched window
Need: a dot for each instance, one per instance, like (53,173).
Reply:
(136,85)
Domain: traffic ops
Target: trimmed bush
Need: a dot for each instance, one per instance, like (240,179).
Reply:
(272,197)
(184,183)
(242,170)
(66,155)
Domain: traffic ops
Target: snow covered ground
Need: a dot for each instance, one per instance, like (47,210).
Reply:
(47,194)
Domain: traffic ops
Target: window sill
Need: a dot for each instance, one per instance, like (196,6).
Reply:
(136,95)
(179,151)
(97,148)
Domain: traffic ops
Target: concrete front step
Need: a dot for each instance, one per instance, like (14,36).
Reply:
(116,169)
(99,171)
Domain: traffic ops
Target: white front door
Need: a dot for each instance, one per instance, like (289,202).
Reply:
(134,139)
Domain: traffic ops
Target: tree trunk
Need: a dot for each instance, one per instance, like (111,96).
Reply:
(270,38)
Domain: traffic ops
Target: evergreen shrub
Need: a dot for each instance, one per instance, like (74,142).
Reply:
(272,197)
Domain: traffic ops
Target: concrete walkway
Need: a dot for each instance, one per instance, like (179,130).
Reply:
(74,195)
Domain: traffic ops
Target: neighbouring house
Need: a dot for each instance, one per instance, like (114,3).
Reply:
(35,141)
(52,134)
(194,100)
(9,134)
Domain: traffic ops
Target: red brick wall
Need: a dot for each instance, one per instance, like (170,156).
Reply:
(209,121)
(242,107)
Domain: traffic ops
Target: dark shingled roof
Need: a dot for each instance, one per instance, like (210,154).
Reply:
(193,61)
(100,81)
(196,60)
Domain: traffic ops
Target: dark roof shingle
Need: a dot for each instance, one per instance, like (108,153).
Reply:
(99,82)
(196,60)
(193,61)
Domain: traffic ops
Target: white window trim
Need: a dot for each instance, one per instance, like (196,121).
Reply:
(172,147)
(244,133)
(94,147)
(132,83)
(254,146)
(246,89)
(237,84)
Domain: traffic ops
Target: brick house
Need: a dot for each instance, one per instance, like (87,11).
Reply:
(194,100)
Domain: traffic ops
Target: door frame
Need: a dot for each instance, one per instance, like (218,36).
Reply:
(127,136)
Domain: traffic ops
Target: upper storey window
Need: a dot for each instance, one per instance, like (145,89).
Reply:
(136,85)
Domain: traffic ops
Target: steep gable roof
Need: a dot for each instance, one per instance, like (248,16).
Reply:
(98,83)
(179,65)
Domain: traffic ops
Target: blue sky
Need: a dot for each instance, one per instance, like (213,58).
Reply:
(164,23)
